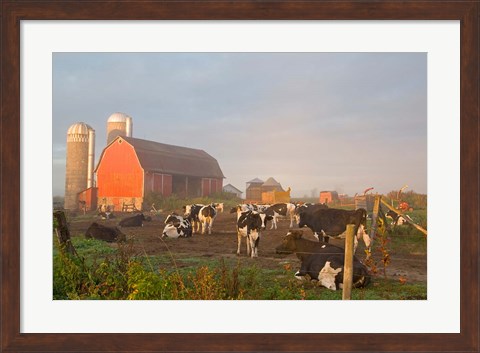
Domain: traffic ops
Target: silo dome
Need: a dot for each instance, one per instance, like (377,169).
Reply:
(118,118)
(118,124)
(79,128)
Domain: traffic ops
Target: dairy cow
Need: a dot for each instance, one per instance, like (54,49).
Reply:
(396,218)
(176,226)
(191,213)
(249,225)
(101,232)
(134,221)
(321,261)
(332,222)
(206,216)
(307,208)
(281,209)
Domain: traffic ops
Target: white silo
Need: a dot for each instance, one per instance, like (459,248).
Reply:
(80,162)
(118,124)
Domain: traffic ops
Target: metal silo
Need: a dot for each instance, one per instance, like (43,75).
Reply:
(118,124)
(79,168)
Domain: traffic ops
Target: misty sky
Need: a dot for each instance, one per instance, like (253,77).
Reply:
(313,121)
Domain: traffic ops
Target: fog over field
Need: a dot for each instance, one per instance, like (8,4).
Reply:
(313,121)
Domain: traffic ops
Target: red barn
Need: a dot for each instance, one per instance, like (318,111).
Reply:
(130,168)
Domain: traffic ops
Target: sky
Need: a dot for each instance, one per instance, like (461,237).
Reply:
(313,121)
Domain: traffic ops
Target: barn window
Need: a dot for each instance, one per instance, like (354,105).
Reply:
(120,141)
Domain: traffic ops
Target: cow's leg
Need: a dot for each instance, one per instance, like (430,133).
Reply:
(274,222)
(239,242)
(291,220)
(210,226)
(249,248)
(204,226)
(325,237)
(316,236)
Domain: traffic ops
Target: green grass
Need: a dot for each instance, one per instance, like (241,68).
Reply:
(104,271)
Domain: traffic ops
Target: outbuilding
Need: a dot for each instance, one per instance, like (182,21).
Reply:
(130,168)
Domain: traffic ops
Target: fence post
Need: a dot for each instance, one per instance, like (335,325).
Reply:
(376,209)
(348,263)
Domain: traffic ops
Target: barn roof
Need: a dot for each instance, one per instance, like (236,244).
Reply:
(271,182)
(255,181)
(176,160)
(233,187)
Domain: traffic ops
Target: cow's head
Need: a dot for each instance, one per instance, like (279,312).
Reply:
(265,218)
(173,219)
(187,210)
(288,245)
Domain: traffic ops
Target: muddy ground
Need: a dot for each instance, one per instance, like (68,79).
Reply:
(222,243)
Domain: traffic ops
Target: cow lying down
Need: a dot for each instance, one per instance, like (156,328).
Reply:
(176,226)
(101,232)
(321,261)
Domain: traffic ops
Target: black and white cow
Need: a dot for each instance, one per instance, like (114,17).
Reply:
(396,218)
(332,222)
(321,261)
(249,225)
(206,216)
(281,209)
(101,232)
(191,213)
(134,221)
(309,208)
(106,215)
(176,226)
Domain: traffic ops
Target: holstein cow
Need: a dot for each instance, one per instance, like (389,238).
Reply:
(321,261)
(106,215)
(308,207)
(134,221)
(206,215)
(332,222)
(281,209)
(249,225)
(101,232)
(177,226)
(396,218)
(191,213)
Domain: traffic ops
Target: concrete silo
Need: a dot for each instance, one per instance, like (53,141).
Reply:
(119,124)
(80,162)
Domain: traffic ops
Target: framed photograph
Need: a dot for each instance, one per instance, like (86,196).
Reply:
(49,44)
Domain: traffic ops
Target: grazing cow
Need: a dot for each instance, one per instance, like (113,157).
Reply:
(101,232)
(396,218)
(332,222)
(322,261)
(249,225)
(206,215)
(191,213)
(177,226)
(134,221)
(281,209)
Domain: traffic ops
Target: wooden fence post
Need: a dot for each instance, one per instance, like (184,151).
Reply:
(348,263)
(376,209)
(63,233)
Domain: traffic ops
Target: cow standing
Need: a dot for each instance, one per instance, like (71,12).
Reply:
(322,261)
(206,216)
(332,222)
(191,213)
(281,209)
(249,225)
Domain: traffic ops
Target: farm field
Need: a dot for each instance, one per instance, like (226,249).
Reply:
(270,276)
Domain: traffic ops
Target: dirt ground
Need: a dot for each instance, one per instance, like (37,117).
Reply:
(222,243)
